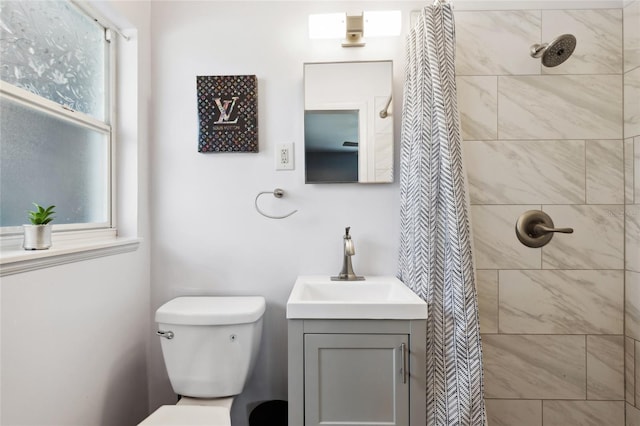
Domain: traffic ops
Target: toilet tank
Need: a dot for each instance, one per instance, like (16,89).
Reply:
(214,345)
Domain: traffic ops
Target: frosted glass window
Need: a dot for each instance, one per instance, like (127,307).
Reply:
(51,161)
(53,50)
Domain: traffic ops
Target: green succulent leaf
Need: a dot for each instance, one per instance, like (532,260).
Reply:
(41,216)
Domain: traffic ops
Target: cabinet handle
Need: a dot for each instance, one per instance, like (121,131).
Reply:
(403,354)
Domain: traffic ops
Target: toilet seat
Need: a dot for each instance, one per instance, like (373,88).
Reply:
(188,415)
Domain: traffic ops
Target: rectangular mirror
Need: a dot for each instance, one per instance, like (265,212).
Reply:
(348,122)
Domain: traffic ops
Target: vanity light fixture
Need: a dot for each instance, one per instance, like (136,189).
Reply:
(354,35)
(354,27)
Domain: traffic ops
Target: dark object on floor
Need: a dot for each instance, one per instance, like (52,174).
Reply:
(270,413)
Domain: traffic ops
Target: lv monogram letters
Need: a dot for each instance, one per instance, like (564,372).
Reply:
(226,109)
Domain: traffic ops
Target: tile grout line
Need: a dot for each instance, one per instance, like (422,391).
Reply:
(635,382)
(633,373)
(498,301)
(586,368)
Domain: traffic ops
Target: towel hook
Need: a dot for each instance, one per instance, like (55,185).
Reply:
(278,193)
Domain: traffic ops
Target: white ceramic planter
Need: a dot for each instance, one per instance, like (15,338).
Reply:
(37,237)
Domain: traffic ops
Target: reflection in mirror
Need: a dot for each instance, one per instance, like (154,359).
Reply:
(348,122)
(331,145)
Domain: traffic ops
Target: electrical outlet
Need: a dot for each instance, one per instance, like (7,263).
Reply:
(284,156)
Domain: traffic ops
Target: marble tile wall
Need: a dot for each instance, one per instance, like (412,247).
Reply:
(478,106)
(597,241)
(496,43)
(503,173)
(561,302)
(584,413)
(605,367)
(509,412)
(553,139)
(633,415)
(631,36)
(605,171)
(631,158)
(586,26)
(629,370)
(535,367)
(632,102)
(560,107)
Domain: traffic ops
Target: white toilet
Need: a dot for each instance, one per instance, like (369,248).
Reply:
(210,345)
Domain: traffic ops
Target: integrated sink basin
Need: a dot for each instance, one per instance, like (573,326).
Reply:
(377,297)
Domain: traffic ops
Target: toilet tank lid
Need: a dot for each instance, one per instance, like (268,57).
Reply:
(210,310)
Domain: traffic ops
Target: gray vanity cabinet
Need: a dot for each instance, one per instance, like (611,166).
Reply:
(355,379)
(356,372)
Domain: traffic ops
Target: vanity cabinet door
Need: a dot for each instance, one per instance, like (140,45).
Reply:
(356,379)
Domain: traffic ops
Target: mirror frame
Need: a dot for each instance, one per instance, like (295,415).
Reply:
(369,107)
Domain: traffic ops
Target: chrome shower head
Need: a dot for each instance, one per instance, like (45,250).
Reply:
(556,52)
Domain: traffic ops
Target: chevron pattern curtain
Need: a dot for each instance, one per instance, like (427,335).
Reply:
(435,246)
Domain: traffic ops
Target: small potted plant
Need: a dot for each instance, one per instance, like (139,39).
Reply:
(37,235)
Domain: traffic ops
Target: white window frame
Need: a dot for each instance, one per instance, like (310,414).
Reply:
(80,241)
(62,112)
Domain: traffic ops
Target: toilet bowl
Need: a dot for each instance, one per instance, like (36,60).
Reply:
(210,346)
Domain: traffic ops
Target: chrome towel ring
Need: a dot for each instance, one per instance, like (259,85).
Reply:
(278,193)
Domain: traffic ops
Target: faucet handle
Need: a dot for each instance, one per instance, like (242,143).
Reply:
(349,248)
(346,232)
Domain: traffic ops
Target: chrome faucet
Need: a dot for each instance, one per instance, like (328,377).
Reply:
(347,274)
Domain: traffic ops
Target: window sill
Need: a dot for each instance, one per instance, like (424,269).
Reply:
(67,248)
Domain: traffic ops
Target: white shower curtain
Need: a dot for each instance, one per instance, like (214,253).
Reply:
(435,245)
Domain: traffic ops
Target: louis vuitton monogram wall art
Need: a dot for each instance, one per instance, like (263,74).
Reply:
(227,113)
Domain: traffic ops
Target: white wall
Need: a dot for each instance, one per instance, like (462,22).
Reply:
(74,343)
(208,238)
(74,338)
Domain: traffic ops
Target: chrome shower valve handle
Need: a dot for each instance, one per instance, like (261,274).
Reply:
(540,229)
(534,228)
